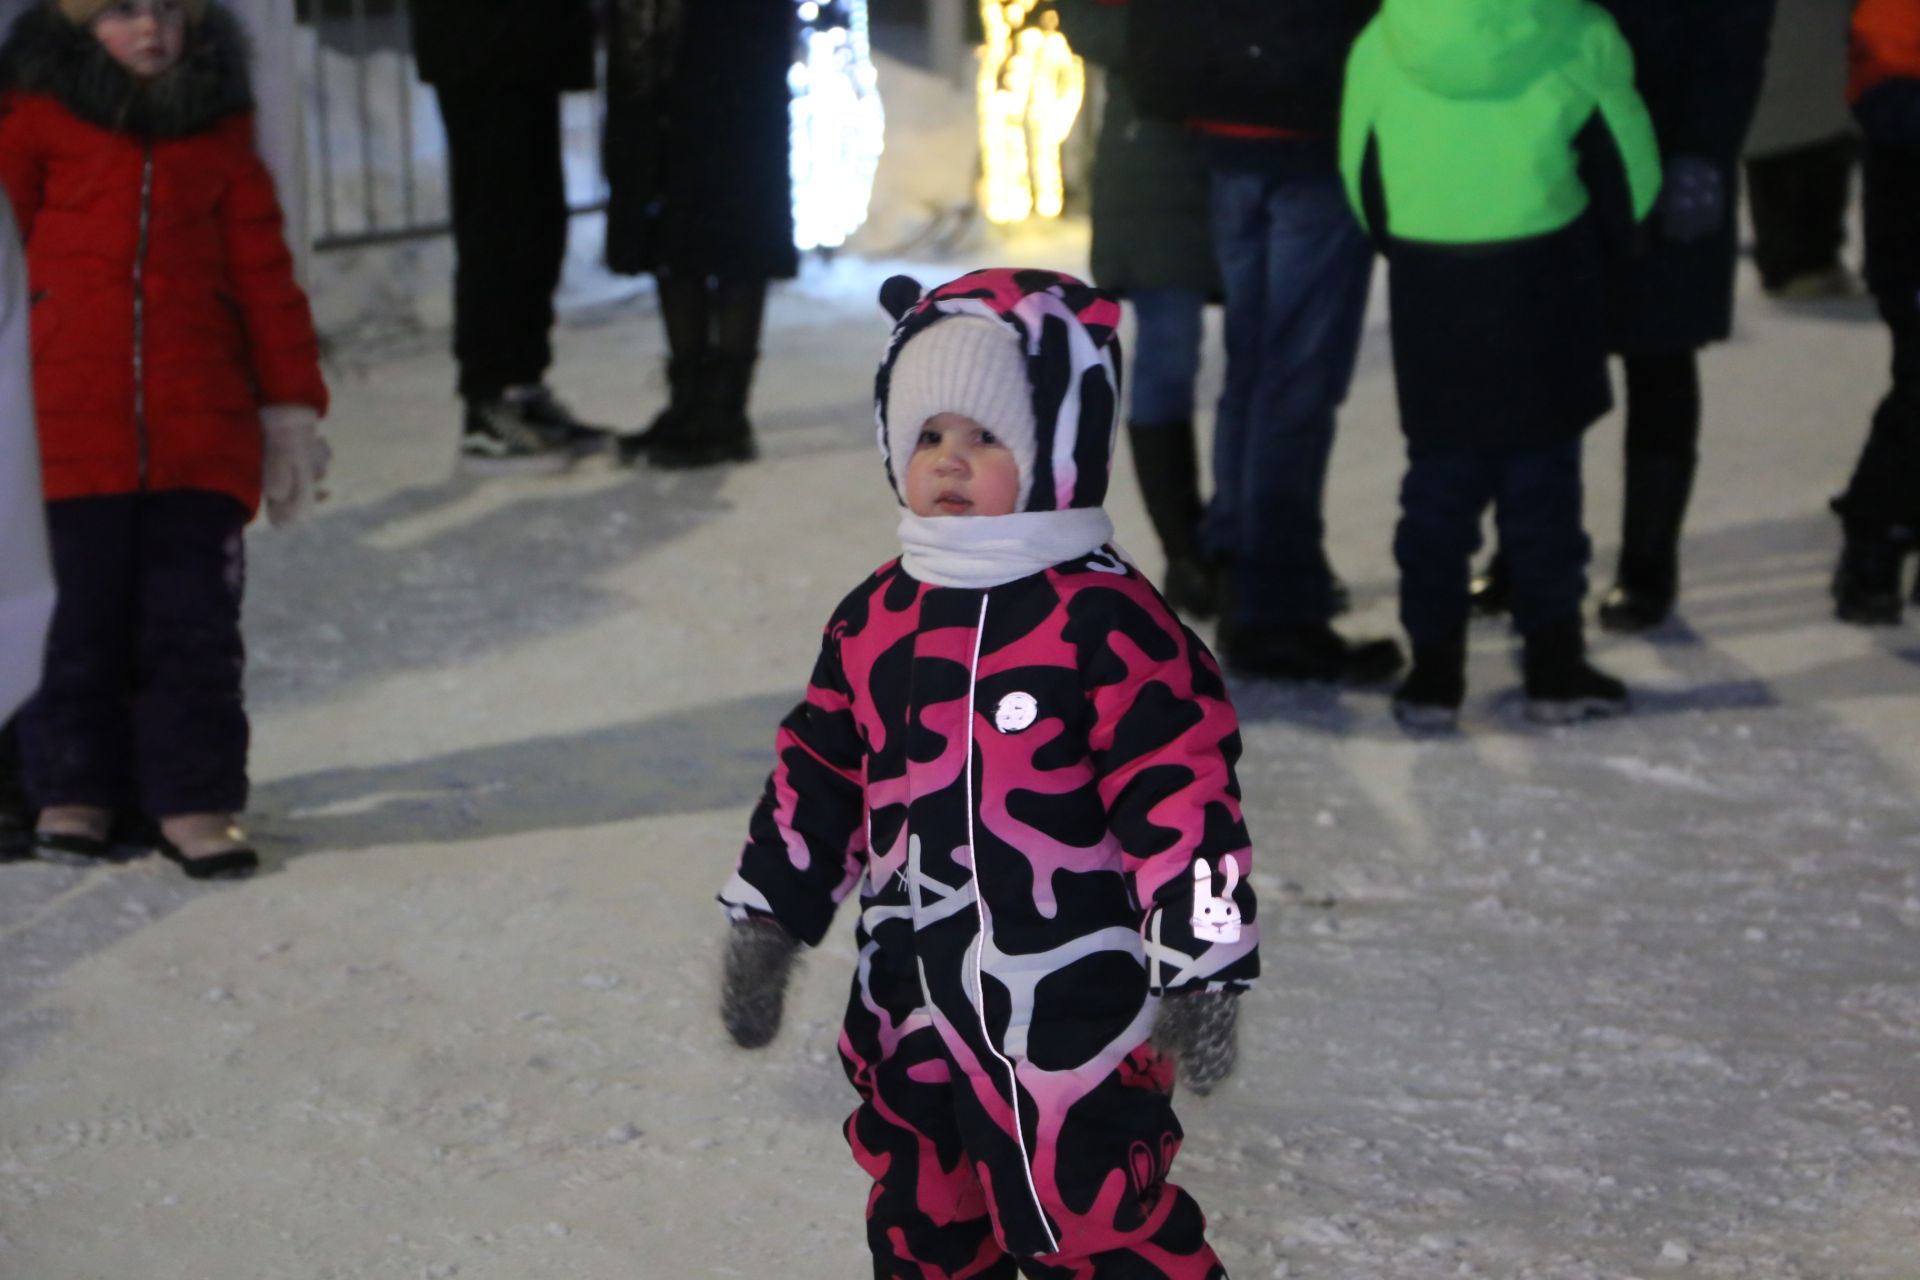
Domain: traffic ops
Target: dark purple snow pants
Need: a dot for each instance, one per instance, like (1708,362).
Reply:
(140,701)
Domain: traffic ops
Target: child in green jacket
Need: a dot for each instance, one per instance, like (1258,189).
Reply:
(1499,156)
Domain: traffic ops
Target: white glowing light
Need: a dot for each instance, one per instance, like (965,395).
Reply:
(1031,87)
(838,127)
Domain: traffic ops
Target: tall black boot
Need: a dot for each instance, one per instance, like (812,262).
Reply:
(1648,580)
(720,431)
(1164,464)
(676,421)
(1866,582)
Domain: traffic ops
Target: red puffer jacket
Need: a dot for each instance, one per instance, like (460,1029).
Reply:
(165,309)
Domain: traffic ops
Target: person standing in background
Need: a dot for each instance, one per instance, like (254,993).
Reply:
(1880,510)
(1152,247)
(1698,66)
(700,196)
(1800,154)
(498,68)
(1258,81)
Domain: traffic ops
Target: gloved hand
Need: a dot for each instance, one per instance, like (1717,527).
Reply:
(1693,199)
(1200,1029)
(753,986)
(296,462)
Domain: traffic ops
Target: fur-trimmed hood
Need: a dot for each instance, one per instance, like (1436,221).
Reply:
(45,53)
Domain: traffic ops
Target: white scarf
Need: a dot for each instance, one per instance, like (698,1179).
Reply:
(978,552)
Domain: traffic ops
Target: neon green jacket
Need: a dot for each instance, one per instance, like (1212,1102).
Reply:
(1476,109)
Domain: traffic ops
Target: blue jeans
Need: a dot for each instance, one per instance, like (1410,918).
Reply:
(1166,354)
(1536,497)
(1296,268)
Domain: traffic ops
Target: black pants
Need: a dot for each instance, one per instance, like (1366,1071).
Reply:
(1885,489)
(141,699)
(1798,199)
(1536,496)
(509,231)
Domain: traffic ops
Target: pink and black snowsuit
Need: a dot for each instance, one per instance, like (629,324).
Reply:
(1033,787)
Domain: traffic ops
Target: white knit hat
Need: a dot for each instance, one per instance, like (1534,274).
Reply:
(968,365)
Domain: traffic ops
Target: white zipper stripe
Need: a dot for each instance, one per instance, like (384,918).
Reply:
(980,943)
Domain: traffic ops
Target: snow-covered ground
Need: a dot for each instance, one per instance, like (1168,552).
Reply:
(1627,1000)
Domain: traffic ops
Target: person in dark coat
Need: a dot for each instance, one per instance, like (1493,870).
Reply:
(1258,81)
(498,68)
(1880,510)
(701,196)
(1152,247)
(1498,154)
(1698,65)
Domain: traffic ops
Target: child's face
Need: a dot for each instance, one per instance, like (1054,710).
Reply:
(144,36)
(959,468)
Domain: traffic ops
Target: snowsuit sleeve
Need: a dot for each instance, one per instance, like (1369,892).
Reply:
(1165,740)
(807,841)
(280,335)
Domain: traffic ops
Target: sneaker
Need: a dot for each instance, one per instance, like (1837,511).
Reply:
(1428,700)
(525,431)
(1310,653)
(1866,582)
(1562,687)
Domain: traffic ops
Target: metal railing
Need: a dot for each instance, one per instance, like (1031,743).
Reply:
(376,151)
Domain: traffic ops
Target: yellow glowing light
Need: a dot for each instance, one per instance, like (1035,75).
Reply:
(1031,86)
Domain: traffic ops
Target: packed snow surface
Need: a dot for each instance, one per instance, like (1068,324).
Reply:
(1635,999)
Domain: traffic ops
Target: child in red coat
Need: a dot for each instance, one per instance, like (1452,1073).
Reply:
(177,380)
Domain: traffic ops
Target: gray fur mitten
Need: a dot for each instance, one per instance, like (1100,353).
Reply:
(753,985)
(1200,1029)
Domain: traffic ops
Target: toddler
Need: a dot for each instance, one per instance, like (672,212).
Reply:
(1025,762)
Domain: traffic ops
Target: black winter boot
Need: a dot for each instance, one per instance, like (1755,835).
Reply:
(1310,652)
(1866,582)
(719,431)
(1164,463)
(1428,700)
(1562,686)
(673,425)
(1648,580)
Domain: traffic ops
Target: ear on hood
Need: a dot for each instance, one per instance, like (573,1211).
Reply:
(899,294)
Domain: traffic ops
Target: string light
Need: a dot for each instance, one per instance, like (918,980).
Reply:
(838,127)
(1031,87)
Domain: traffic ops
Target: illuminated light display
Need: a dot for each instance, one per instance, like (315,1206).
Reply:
(838,127)
(1031,87)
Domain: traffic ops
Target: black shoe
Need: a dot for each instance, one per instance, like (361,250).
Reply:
(525,431)
(16,811)
(1642,596)
(1428,700)
(717,430)
(1487,595)
(1310,652)
(673,424)
(1562,686)
(229,864)
(1866,582)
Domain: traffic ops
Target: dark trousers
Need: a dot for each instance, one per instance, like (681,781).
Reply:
(1536,497)
(1295,266)
(509,231)
(1798,199)
(1885,489)
(141,698)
